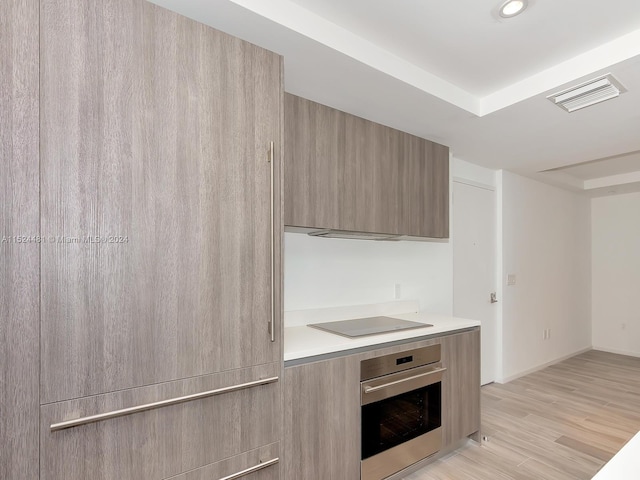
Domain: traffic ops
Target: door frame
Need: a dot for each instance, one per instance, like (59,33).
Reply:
(496,245)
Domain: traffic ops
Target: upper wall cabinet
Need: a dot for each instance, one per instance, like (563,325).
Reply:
(346,173)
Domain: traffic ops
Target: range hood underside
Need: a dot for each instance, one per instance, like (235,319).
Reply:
(352,235)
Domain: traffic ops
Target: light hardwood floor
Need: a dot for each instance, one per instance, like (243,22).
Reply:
(561,423)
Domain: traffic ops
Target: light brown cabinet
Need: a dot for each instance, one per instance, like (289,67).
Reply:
(322,419)
(346,173)
(460,386)
(159,443)
(138,151)
(320,133)
(155,137)
(259,464)
(19,247)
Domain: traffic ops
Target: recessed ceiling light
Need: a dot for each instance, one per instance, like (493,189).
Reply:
(511,8)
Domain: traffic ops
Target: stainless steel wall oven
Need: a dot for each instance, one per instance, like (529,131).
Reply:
(401,398)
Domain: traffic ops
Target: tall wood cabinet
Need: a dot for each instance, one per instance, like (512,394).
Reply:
(346,173)
(154,293)
(19,253)
(155,135)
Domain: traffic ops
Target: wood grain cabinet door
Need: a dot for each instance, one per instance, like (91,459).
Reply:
(388,192)
(347,173)
(19,237)
(314,147)
(168,441)
(322,420)
(259,464)
(460,386)
(424,186)
(156,197)
(435,189)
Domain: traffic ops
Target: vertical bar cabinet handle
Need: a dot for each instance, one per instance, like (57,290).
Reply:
(272,327)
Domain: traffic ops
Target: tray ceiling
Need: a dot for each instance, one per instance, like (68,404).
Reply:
(456,73)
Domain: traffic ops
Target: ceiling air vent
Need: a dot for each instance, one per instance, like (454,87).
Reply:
(588,93)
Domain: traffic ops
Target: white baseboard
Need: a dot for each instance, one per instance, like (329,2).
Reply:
(510,378)
(615,350)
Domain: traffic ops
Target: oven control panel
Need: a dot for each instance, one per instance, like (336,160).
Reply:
(396,362)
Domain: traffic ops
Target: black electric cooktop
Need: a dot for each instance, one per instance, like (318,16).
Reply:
(361,327)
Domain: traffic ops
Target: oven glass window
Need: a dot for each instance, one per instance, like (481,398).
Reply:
(398,419)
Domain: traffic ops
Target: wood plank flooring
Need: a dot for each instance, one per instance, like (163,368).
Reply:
(561,423)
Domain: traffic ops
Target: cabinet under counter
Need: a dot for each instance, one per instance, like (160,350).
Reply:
(322,419)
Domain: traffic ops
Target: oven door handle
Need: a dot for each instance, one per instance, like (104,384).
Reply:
(369,389)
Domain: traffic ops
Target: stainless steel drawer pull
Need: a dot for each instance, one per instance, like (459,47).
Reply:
(163,403)
(390,384)
(272,329)
(255,468)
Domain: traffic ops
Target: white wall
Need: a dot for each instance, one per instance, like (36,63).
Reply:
(545,237)
(462,170)
(615,226)
(325,272)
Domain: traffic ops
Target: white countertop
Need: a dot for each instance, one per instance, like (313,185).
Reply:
(304,341)
(625,465)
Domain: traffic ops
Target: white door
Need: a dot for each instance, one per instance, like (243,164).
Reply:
(474,266)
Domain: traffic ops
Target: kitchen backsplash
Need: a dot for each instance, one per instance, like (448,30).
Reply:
(322,273)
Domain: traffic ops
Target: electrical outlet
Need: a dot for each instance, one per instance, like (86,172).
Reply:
(511,279)
(397,291)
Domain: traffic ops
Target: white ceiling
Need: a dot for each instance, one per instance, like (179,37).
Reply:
(616,165)
(606,176)
(458,74)
(468,44)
